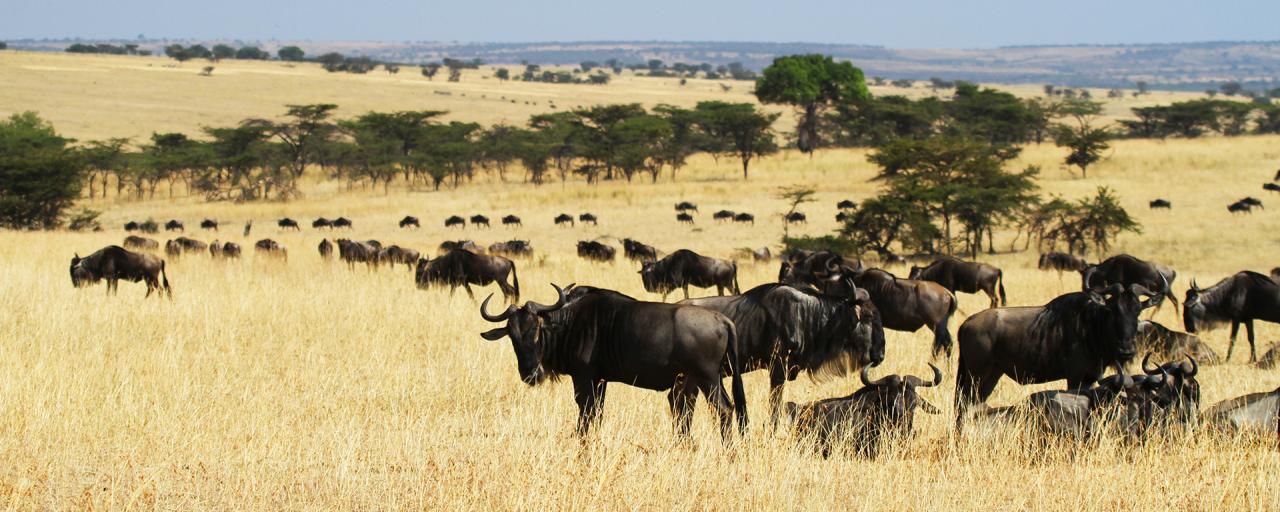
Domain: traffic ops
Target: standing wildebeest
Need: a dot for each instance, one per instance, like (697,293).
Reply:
(564,218)
(1239,299)
(683,268)
(595,251)
(1126,270)
(114,263)
(745,217)
(131,226)
(1239,207)
(455,220)
(1075,337)
(907,305)
(722,216)
(271,248)
(684,218)
(638,251)
(409,221)
(602,336)
(326,249)
(1254,412)
(1171,345)
(882,407)
(1271,186)
(322,223)
(209,224)
(174,225)
(143,243)
(148,226)
(796,218)
(512,248)
(1160,203)
(248,226)
(182,245)
(1251,201)
(964,276)
(396,254)
(588,218)
(846,204)
(479,220)
(685,206)
(786,330)
(465,268)
(511,220)
(225,250)
(354,251)
(287,223)
(1061,261)
(342,222)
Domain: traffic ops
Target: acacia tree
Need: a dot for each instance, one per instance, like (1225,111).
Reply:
(741,130)
(104,158)
(811,83)
(430,69)
(291,54)
(40,175)
(1085,142)
(307,128)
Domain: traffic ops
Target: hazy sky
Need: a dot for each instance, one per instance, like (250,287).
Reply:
(899,24)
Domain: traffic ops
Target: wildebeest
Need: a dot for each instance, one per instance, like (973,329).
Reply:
(409,221)
(1160,203)
(1176,394)
(795,218)
(786,330)
(684,218)
(174,225)
(1059,412)
(602,336)
(326,248)
(1062,261)
(114,263)
(224,250)
(143,243)
(588,218)
(1239,299)
(564,218)
(512,248)
(907,305)
(322,223)
(465,268)
(1238,207)
(1254,412)
(683,268)
(479,220)
(287,223)
(342,222)
(131,226)
(685,206)
(355,251)
(455,220)
(149,226)
(248,226)
(454,245)
(761,254)
(1075,336)
(964,276)
(745,217)
(396,254)
(182,245)
(271,248)
(1271,186)
(722,216)
(882,407)
(595,251)
(1251,201)
(1126,270)
(637,251)
(846,204)
(842,216)
(1172,345)
(511,220)
(209,224)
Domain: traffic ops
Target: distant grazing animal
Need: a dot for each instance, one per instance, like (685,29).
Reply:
(174,225)
(683,268)
(882,407)
(141,243)
(355,251)
(564,218)
(637,251)
(1239,207)
(512,220)
(287,223)
(512,248)
(465,245)
(148,226)
(595,251)
(409,221)
(342,222)
(1171,345)
(587,218)
(601,336)
(326,249)
(796,218)
(209,224)
(270,247)
(465,268)
(455,220)
(1062,261)
(1239,299)
(846,204)
(183,245)
(322,223)
(248,226)
(761,254)
(964,276)
(1251,201)
(479,220)
(1271,186)
(745,217)
(1257,413)
(684,218)
(225,250)
(1126,270)
(131,226)
(685,206)
(114,263)
(1160,203)
(722,216)
(396,254)
(842,216)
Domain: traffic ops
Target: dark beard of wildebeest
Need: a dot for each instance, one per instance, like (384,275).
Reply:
(1126,270)
(964,276)
(882,407)
(1257,413)
(354,252)
(396,254)
(683,268)
(788,330)
(1075,336)
(601,336)
(326,249)
(1239,299)
(465,268)
(114,263)
(637,251)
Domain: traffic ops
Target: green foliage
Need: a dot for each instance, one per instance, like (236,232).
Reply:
(987,114)
(430,69)
(291,54)
(502,74)
(739,128)
(811,83)
(84,219)
(1194,118)
(251,53)
(40,176)
(1084,142)
(222,51)
(1095,221)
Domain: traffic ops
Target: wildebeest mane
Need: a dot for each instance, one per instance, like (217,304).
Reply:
(1072,316)
(1228,296)
(814,317)
(591,317)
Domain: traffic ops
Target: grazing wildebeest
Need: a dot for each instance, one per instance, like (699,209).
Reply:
(846,204)
(226,250)
(882,407)
(1271,186)
(455,220)
(511,220)
(1059,412)
(588,218)
(1257,413)
(1251,201)
(722,216)
(761,254)
(1126,270)
(564,218)
(842,216)
(638,251)
(684,218)
(114,263)
(174,225)
(138,242)
(182,245)
(1062,261)
(209,224)
(796,218)
(409,221)
(745,217)
(287,223)
(1239,207)
(685,206)
(1075,336)
(602,336)
(149,226)
(1239,299)
(454,245)
(271,248)
(964,276)
(1160,203)
(326,248)
(512,248)
(465,268)
(907,305)
(355,251)
(1171,344)
(342,222)
(131,226)
(683,268)
(322,223)
(396,254)
(248,226)
(785,330)
(595,251)
(479,220)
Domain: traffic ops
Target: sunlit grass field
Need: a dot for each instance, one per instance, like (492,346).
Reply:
(274,385)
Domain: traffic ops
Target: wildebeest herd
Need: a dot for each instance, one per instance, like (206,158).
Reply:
(825,315)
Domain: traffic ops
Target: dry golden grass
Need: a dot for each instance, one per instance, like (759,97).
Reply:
(302,385)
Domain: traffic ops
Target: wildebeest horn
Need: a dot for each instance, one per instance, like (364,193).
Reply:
(833,263)
(1189,372)
(484,306)
(536,308)
(1140,290)
(1193,285)
(1125,381)
(1151,383)
(920,383)
(1145,369)
(864,375)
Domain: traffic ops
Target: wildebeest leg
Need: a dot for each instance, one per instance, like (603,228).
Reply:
(589,393)
(686,291)
(713,388)
(1231,345)
(777,380)
(992,295)
(971,390)
(1253,353)
(682,398)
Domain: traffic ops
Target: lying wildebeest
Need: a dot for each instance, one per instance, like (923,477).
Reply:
(882,407)
(745,217)
(465,268)
(271,248)
(786,330)
(131,226)
(722,216)
(1239,207)
(602,336)
(1062,261)
(1075,336)
(355,251)
(1271,358)
(342,222)
(512,220)
(1176,395)
(409,221)
(683,268)
(1173,344)
(564,218)
(454,245)
(322,223)
(1126,270)
(455,220)
(1271,186)
(1239,299)
(684,218)
(795,218)
(149,226)
(964,276)
(1254,412)
(512,248)
(479,220)
(588,218)
(396,254)
(1160,203)
(174,225)
(209,224)
(114,263)
(1058,412)
(595,251)
(182,245)
(685,206)
(326,249)
(138,242)
(224,250)
(846,204)
(287,223)
(638,251)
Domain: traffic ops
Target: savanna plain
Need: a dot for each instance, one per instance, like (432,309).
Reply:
(300,385)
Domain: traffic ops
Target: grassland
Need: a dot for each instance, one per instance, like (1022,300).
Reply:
(303,385)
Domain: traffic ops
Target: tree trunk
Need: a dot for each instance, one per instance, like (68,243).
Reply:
(745,163)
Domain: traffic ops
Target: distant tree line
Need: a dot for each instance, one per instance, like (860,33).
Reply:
(1195,118)
(109,49)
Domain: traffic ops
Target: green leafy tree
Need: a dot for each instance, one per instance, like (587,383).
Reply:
(251,53)
(643,142)
(306,128)
(174,51)
(291,54)
(222,51)
(738,129)
(430,69)
(811,83)
(502,74)
(596,135)
(102,159)
(1084,142)
(987,114)
(40,174)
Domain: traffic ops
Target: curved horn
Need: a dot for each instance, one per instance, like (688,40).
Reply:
(1145,369)
(539,308)
(1151,383)
(833,263)
(1088,273)
(1193,285)
(865,376)
(920,383)
(1141,291)
(484,306)
(1188,373)
(1125,381)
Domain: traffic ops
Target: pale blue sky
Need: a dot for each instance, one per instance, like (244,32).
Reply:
(898,24)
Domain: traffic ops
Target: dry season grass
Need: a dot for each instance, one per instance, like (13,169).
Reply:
(303,385)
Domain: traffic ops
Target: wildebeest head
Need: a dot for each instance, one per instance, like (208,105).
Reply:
(1113,314)
(80,276)
(526,326)
(894,398)
(1179,391)
(1194,313)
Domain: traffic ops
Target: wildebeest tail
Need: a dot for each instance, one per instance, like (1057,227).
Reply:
(941,336)
(1004,300)
(164,280)
(515,282)
(736,289)
(739,392)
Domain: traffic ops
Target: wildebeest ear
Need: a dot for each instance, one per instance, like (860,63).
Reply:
(861,296)
(928,407)
(494,334)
